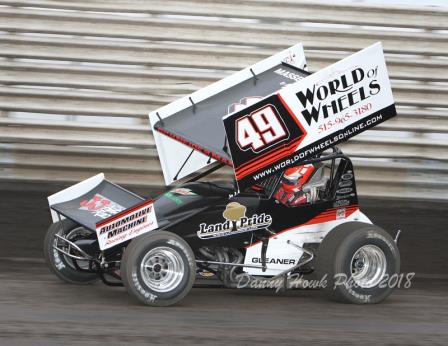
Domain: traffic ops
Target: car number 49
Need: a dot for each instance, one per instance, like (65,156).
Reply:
(260,129)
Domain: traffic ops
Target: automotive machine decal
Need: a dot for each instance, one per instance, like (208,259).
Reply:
(126,225)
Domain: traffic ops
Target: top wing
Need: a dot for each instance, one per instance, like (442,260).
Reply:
(189,132)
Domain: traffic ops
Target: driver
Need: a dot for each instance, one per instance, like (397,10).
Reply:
(290,192)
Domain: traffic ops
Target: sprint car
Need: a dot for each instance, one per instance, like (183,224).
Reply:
(260,121)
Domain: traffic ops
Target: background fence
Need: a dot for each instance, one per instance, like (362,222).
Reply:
(78,78)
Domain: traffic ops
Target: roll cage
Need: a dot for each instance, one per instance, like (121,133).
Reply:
(269,186)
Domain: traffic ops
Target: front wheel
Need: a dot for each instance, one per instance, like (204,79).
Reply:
(158,268)
(359,262)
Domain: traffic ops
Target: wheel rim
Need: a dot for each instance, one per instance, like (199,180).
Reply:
(162,269)
(368,266)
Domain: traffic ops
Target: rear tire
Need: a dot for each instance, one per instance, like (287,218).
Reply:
(358,260)
(59,264)
(158,268)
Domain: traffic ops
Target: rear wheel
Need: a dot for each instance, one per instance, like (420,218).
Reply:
(60,264)
(360,262)
(158,268)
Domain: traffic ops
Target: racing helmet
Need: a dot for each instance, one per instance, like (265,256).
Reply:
(295,177)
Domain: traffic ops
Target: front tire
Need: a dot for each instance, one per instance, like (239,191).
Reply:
(158,268)
(359,261)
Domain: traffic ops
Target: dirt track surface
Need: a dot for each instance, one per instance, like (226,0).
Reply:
(37,309)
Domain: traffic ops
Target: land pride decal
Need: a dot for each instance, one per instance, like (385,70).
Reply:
(309,116)
(236,221)
(126,225)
